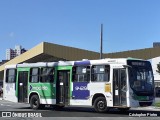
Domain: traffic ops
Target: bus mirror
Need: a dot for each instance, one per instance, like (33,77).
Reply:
(74,70)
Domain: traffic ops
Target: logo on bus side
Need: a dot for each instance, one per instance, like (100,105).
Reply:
(38,88)
(81,88)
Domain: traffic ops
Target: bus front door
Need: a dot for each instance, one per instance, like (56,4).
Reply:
(119,87)
(62,87)
(22,86)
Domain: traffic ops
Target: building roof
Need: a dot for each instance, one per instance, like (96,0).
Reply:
(49,52)
(146,54)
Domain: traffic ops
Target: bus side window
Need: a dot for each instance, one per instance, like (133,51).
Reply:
(81,74)
(11,75)
(47,75)
(100,73)
(34,75)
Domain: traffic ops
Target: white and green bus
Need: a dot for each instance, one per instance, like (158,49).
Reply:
(107,83)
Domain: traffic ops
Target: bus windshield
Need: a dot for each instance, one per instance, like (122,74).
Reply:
(141,77)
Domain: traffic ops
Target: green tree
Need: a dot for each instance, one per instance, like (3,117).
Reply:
(158,68)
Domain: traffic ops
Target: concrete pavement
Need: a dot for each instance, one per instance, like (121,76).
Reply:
(154,108)
(149,108)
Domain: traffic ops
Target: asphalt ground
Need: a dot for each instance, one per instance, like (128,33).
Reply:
(23,111)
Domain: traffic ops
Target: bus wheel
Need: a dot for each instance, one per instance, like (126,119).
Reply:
(34,102)
(100,104)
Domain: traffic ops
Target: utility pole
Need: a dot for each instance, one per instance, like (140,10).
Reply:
(101,42)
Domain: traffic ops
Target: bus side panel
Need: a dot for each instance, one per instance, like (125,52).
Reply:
(83,93)
(80,94)
(46,92)
(133,99)
(9,92)
(99,88)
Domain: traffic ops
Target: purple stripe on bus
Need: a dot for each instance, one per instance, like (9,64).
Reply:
(82,63)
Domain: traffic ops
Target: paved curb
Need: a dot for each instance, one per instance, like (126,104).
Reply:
(157,108)
(154,108)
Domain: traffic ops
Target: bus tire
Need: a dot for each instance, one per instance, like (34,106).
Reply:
(100,104)
(34,102)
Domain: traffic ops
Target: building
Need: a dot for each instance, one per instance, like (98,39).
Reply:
(49,52)
(154,62)
(156,44)
(3,61)
(12,53)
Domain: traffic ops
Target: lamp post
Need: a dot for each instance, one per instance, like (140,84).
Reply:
(101,42)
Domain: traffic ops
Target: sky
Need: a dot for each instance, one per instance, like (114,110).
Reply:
(127,24)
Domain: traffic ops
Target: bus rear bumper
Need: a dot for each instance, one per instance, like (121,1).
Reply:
(146,103)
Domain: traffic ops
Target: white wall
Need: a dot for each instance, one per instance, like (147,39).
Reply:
(154,62)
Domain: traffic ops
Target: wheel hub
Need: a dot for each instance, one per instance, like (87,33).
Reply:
(101,104)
